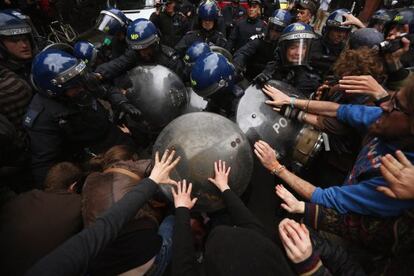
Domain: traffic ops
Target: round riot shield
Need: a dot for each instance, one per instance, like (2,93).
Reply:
(260,122)
(201,138)
(158,93)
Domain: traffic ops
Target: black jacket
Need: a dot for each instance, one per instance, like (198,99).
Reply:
(254,56)
(324,54)
(61,130)
(165,56)
(210,37)
(304,78)
(243,31)
(74,256)
(246,229)
(172,28)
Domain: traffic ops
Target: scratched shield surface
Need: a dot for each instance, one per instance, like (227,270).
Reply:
(201,138)
(260,122)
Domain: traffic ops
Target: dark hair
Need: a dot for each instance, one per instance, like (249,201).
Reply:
(114,154)
(362,61)
(61,176)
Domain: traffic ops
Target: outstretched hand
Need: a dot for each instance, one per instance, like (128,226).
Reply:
(291,204)
(221,176)
(161,171)
(182,198)
(399,175)
(278,97)
(362,85)
(266,155)
(296,240)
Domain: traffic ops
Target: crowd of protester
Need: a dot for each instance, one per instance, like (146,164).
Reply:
(81,195)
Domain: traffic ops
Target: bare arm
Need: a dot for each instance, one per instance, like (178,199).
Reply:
(324,108)
(267,157)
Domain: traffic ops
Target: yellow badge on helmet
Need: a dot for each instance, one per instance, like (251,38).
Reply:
(187,57)
(134,36)
(193,82)
(299,27)
(106,29)
(398,18)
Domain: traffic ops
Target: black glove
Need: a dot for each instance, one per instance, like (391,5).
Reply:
(262,78)
(291,113)
(130,109)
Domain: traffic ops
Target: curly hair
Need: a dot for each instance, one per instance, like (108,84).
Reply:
(358,62)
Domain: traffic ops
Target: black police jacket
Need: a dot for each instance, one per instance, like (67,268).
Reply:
(243,31)
(61,130)
(210,37)
(253,57)
(172,28)
(324,54)
(165,56)
(304,78)
(232,14)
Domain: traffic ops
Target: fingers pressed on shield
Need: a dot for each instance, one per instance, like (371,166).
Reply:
(403,159)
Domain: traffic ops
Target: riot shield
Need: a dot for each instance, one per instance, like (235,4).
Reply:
(158,93)
(295,143)
(201,138)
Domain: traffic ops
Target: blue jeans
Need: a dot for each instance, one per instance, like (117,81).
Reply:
(164,256)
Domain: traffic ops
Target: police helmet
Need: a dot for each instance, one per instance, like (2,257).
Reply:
(85,51)
(54,71)
(211,73)
(335,20)
(111,21)
(141,33)
(393,4)
(295,43)
(208,10)
(380,18)
(195,51)
(279,20)
(401,18)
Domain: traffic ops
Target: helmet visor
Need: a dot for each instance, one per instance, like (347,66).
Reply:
(108,23)
(296,52)
(15,30)
(142,44)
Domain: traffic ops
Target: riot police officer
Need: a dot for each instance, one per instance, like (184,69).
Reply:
(232,14)
(380,18)
(113,23)
(208,14)
(253,57)
(305,11)
(144,49)
(326,50)
(64,119)
(247,27)
(17,47)
(213,78)
(172,24)
(292,60)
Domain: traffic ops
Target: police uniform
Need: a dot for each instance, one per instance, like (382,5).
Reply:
(62,130)
(242,32)
(254,56)
(172,27)
(232,15)
(165,56)
(210,37)
(324,54)
(304,78)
